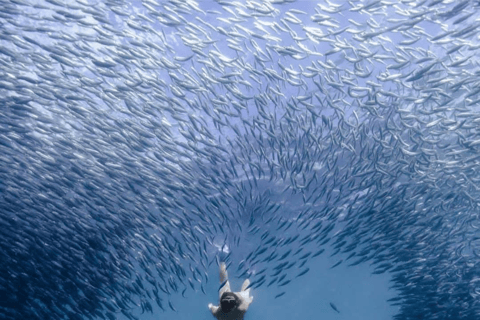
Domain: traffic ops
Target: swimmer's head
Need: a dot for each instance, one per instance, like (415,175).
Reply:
(228,301)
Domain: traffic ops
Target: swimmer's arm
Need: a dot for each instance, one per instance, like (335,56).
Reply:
(212,308)
(243,307)
(245,301)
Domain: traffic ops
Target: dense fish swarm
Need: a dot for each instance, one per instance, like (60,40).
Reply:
(162,135)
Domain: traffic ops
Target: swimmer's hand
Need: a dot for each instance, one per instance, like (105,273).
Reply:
(212,308)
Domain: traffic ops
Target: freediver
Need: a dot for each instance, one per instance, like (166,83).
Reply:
(233,305)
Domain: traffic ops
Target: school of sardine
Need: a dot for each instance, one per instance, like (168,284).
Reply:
(142,142)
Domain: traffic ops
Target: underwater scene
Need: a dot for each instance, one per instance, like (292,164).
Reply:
(218,159)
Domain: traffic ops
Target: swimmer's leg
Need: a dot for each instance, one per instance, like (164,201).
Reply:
(245,284)
(223,272)
(224,278)
(246,292)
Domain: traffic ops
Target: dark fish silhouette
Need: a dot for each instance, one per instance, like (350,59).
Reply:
(334,307)
(222,285)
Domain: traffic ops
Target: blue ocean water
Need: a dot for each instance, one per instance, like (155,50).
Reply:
(326,150)
(354,291)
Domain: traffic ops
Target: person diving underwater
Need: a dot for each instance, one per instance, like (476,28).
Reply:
(233,305)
